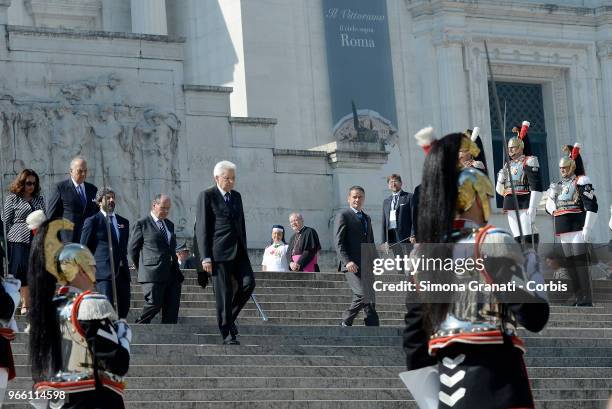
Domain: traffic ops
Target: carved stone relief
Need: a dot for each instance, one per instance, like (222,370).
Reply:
(137,144)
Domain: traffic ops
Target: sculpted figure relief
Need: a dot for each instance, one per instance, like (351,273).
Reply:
(88,117)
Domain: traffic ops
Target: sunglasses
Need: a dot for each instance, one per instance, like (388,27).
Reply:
(30,183)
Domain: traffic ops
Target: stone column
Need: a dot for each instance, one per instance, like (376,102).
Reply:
(149,17)
(453,93)
(604,191)
(4,5)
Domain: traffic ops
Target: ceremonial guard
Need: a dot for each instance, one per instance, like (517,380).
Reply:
(468,155)
(525,174)
(78,350)
(573,204)
(9,299)
(463,350)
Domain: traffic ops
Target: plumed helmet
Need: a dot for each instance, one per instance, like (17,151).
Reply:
(425,138)
(572,158)
(65,261)
(35,219)
(521,134)
(75,257)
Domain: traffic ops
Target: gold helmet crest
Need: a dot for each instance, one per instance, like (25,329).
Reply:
(65,261)
(471,184)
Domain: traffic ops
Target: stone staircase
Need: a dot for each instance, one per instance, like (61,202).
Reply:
(301,357)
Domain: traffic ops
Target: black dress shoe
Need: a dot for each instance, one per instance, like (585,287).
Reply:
(232,341)
(344,324)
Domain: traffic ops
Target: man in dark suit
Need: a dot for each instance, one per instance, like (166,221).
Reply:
(185,259)
(397,214)
(222,245)
(353,228)
(152,250)
(95,237)
(73,199)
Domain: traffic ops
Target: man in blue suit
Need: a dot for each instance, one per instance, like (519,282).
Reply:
(73,199)
(95,237)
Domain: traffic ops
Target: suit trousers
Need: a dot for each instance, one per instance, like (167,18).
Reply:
(123,293)
(164,296)
(230,300)
(359,302)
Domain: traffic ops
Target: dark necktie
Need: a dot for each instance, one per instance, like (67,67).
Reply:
(111,221)
(364,222)
(82,195)
(227,198)
(394,202)
(162,228)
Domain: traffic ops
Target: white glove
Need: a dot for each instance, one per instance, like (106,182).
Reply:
(501,176)
(586,235)
(124,333)
(587,229)
(501,179)
(534,200)
(610,222)
(550,205)
(553,190)
(532,270)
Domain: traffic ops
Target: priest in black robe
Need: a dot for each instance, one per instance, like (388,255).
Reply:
(303,246)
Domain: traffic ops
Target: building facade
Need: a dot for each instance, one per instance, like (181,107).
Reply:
(155,92)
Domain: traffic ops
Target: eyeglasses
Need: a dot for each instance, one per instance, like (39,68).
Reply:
(30,183)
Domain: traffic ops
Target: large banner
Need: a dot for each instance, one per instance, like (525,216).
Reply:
(360,69)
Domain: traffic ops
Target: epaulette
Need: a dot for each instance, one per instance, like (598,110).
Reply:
(532,161)
(583,180)
(95,306)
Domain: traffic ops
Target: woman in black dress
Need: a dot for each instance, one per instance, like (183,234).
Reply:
(24,198)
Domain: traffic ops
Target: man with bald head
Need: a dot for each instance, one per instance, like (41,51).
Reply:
(152,250)
(304,245)
(73,199)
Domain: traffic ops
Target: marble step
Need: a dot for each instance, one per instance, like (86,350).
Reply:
(23,383)
(332,404)
(338,305)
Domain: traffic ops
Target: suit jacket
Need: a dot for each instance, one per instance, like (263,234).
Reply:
(349,237)
(95,237)
(65,202)
(220,228)
(154,258)
(403,217)
(415,208)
